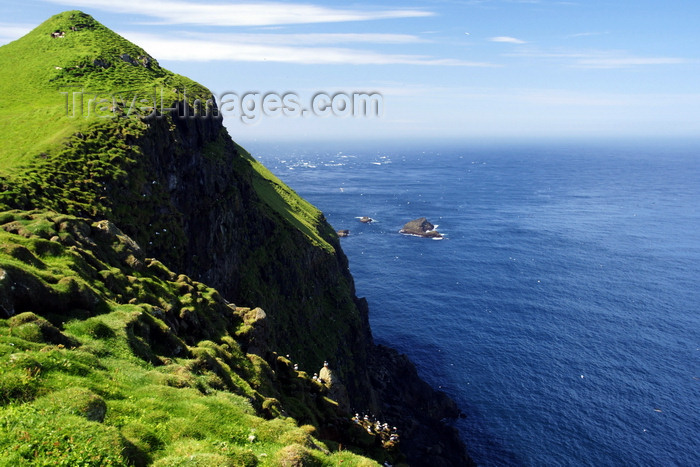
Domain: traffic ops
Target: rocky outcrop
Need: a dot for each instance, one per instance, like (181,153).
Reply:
(336,389)
(420,227)
(419,411)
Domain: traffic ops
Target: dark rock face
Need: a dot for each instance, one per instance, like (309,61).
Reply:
(419,410)
(229,238)
(420,227)
(101,63)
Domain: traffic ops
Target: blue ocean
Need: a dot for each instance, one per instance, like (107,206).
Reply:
(562,308)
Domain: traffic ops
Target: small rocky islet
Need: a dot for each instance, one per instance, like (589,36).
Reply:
(420,227)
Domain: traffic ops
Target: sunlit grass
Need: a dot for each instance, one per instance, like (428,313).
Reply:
(113,384)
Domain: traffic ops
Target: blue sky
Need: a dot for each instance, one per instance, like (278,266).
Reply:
(466,70)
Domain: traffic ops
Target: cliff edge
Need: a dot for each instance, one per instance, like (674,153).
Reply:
(169,223)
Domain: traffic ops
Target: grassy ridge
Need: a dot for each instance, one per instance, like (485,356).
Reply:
(112,359)
(72,53)
(304,216)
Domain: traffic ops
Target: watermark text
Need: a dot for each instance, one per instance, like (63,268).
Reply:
(248,107)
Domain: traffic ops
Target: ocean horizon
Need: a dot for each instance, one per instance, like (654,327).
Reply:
(560,310)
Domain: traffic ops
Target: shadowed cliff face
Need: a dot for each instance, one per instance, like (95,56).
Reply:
(236,241)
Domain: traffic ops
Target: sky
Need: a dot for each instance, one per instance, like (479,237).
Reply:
(443,70)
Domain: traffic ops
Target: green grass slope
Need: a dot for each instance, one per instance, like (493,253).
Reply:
(49,77)
(109,358)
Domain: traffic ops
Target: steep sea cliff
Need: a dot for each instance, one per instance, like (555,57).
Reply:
(175,222)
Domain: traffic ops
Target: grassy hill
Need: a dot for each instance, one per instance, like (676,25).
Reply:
(70,59)
(107,355)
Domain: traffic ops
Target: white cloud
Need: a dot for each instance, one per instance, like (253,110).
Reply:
(624,62)
(542,97)
(240,14)
(305,38)
(198,50)
(587,34)
(508,39)
(599,58)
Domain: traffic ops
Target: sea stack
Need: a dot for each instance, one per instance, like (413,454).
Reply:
(420,227)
